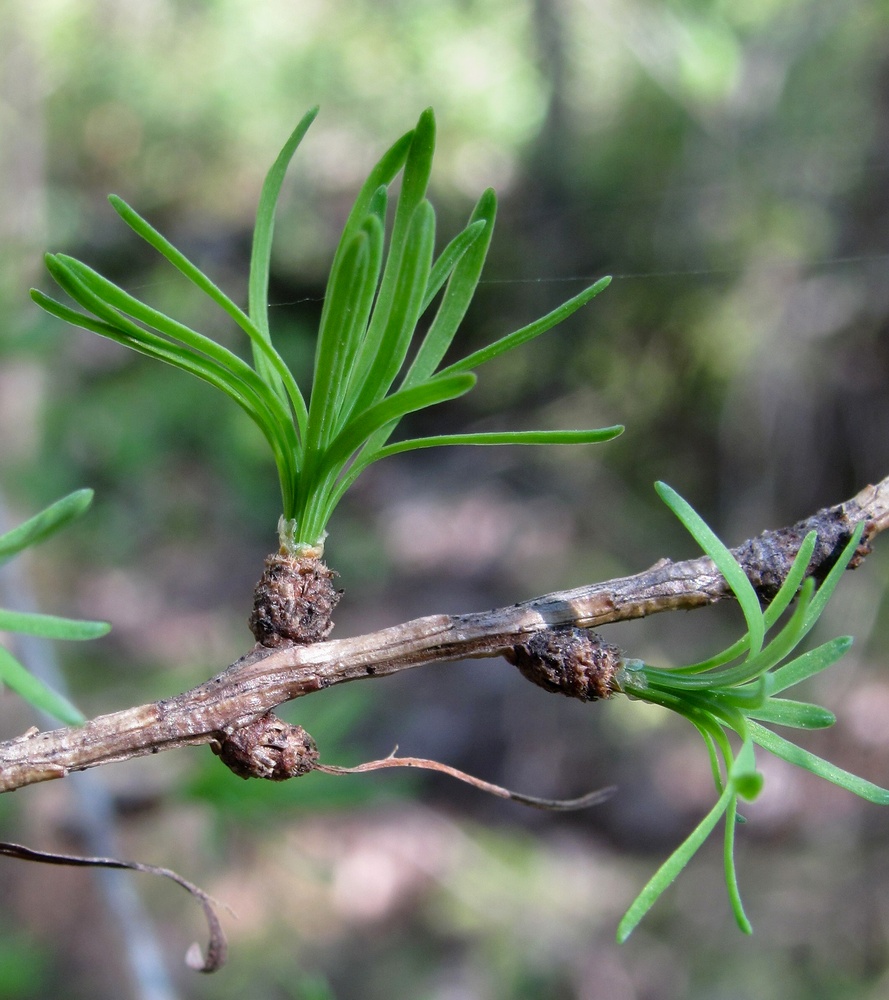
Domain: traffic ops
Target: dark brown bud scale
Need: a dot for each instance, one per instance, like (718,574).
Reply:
(293,601)
(269,748)
(570,661)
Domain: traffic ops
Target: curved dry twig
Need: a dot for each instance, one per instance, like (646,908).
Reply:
(551,805)
(217,949)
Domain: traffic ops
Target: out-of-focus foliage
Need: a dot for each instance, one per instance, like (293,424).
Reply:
(726,162)
(13,675)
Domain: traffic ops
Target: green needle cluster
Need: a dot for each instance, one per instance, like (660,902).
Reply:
(737,691)
(378,291)
(12,673)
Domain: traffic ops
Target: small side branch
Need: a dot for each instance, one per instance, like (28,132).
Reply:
(264,678)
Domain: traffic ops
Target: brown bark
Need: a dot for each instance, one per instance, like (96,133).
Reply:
(251,687)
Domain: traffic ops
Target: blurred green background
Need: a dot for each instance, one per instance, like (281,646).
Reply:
(728,163)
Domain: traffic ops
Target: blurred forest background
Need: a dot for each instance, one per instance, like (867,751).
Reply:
(728,163)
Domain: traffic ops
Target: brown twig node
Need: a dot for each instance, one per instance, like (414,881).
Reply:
(570,661)
(268,748)
(293,601)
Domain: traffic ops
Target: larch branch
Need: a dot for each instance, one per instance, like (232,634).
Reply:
(264,678)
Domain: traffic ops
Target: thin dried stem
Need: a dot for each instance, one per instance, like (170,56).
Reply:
(217,948)
(552,805)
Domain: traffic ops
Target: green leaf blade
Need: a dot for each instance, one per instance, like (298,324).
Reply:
(448,259)
(458,295)
(36,693)
(51,626)
(271,366)
(668,872)
(491,438)
(217,366)
(773,612)
(389,335)
(725,562)
(792,582)
(755,666)
(436,390)
(382,174)
(109,301)
(263,231)
(794,714)
(796,755)
(731,871)
(347,280)
(417,162)
(809,664)
(529,332)
(45,524)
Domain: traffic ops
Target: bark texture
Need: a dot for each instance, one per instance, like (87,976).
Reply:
(546,637)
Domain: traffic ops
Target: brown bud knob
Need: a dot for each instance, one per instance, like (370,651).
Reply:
(269,748)
(571,661)
(293,601)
